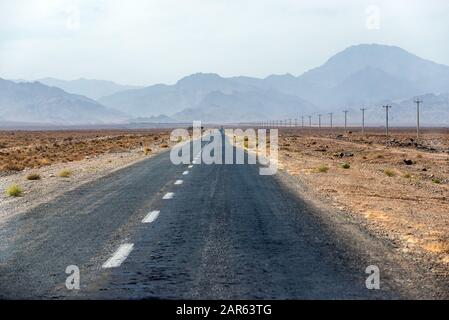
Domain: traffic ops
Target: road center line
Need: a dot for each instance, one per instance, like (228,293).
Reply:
(190,166)
(178,182)
(168,195)
(119,256)
(185,173)
(151,216)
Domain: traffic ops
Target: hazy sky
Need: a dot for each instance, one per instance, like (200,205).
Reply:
(145,41)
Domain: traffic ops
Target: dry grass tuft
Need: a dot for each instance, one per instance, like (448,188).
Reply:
(33,176)
(146,151)
(390,173)
(14,190)
(323,168)
(65,173)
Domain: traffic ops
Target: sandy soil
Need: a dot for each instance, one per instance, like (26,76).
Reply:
(396,187)
(108,153)
(34,149)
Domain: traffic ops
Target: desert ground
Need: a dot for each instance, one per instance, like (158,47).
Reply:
(397,187)
(45,164)
(21,150)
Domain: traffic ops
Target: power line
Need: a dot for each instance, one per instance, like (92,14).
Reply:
(387,108)
(363,120)
(418,102)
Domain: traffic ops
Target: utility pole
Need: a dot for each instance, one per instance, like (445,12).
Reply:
(310,121)
(296,122)
(346,118)
(331,114)
(387,108)
(319,121)
(363,120)
(289,122)
(418,102)
(302,121)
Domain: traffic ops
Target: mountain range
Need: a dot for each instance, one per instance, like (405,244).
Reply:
(366,75)
(94,89)
(33,102)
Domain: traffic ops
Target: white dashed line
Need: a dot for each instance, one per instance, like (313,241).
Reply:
(178,182)
(119,256)
(168,195)
(185,173)
(190,166)
(151,216)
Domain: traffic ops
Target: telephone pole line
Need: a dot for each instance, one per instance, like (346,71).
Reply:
(310,121)
(319,121)
(302,121)
(331,114)
(387,108)
(363,120)
(418,102)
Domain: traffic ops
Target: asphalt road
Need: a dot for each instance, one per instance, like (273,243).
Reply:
(225,232)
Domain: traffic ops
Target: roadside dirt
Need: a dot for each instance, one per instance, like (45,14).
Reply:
(20,150)
(396,187)
(85,156)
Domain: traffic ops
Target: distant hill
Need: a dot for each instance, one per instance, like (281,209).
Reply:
(169,99)
(153,119)
(366,75)
(34,102)
(93,89)
(362,75)
(240,106)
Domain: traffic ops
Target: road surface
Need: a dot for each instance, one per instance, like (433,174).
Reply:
(155,230)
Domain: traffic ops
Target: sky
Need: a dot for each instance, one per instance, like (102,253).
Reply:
(143,42)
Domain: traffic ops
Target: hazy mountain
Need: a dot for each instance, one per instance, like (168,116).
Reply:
(363,74)
(186,93)
(33,102)
(366,75)
(241,106)
(162,118)
(434,110)
(93,89)
(396,62)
